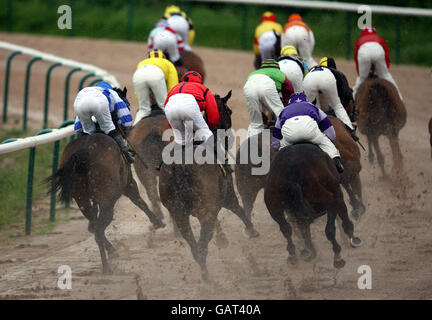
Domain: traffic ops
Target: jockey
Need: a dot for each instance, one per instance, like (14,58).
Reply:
(168,40)
(332,83)
(185,102)
(265,38)
(370,49)
(264,85)
(157,74)
(294,67)
(104,104)
(180,22)
(298,34)
(300,122)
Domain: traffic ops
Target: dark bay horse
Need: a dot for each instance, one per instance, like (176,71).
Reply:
(191,61)
(249,185)
(94,172)
(304,183)
(430,133)
(381,112)
(201,190)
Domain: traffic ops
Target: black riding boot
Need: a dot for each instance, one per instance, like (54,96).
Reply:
(225,163)
(353,132)
(115,134)
(338,164)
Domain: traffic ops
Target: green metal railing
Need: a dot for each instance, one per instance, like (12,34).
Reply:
(30,177)
(6,89)
(26,89)
(47,90)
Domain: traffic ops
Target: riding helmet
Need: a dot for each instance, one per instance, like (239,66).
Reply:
(268,16)
(328,62)
(105,85)
(156,53)
(288,51)
(192,76)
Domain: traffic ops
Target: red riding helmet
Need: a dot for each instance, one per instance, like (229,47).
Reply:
(192,76)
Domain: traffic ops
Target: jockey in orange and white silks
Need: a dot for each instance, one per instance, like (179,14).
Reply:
(265,39)
(263,86)
(156,74)
(301,121)
(332,83)
(298,34)
(168,40)
(103,103)
(370,49)
(294,67)
(180,22)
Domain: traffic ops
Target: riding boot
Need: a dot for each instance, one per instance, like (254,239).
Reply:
(353,132)
(128,153)
(225,163)
(338,164)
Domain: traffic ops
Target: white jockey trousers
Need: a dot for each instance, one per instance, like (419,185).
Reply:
(167,41)
(304,128)
(149,77)
(293,72)
(372,53)
(184,115)
(324,81)
(266,43)
(258,89)
(92,102)
(302,40)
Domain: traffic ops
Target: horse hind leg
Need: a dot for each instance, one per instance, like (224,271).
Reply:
(150,184)
(380,156)
(354,191)
(397,156)
(89,210)
(309,253)
(330,231)
(206,234)
(131,191)
(285,228)
(103,221)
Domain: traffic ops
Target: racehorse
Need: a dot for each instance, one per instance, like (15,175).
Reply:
(381,112)
(191,61)
(94,172)
(430,133)
(304,183)
(201,190)
(249,185)
(276,51)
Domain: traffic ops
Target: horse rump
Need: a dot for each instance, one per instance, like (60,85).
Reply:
(64,178)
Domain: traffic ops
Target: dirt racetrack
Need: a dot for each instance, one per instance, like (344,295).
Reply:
(395,228)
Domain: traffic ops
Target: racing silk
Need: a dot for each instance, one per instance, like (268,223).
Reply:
(343,88)
(203,97)
(301,62)
(296,23)
(156,30)
(370,35)
(189,20)
(117,107)
(299,106)
(280,79)
(170,72)
(262,28)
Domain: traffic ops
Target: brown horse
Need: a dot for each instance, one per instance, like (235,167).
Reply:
(381,112)
(430,133)
(146,138)
(191,61)
(94,172)
(304,183)
(248,185)
(200,190)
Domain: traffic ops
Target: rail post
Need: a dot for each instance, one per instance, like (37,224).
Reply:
(47,90)
(9,16)
(348,35)
(83,79)
(130,11)
(6,90)
(244,26)
(94,81)
(26,89)
(66,99)
(398,38)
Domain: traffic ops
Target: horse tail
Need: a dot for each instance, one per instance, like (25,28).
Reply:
(64,178)
(372,74)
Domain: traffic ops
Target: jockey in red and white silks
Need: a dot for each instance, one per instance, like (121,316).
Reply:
(185,102)
(370,49)
(166,39)
(298,34)
(181,26)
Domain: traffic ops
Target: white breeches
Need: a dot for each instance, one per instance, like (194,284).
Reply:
(324,81)
(304,128)
(260,89)
(92,102)
(185,118)
(300,38)
(180,24)
(371,53)
(293,72)
(167,41)
(149,77)
(266,44)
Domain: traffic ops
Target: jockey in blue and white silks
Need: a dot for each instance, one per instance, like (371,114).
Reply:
(100,102)
(301,121)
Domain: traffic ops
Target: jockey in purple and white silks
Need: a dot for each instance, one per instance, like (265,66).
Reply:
(300,121)
(100,102)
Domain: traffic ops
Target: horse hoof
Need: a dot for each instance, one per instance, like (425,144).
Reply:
(358,212)
(251,233)
(292,260)
(159,225)
(356,242)
(339,263)
(307,255)
(205,277)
